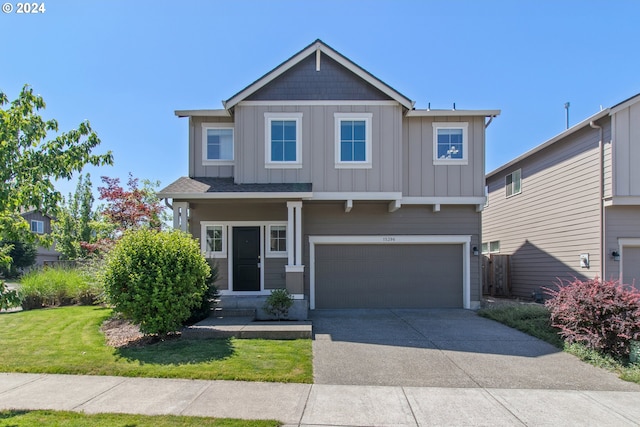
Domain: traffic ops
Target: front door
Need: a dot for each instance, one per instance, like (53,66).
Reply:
(246,258)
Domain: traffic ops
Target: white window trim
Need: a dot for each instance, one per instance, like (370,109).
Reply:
(39,226)
(268,118)
(505,183)
(367,117)
(465,143)
(276,254)
(212,162)
(203,240)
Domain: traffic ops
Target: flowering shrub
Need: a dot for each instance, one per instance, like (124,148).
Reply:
(602,315)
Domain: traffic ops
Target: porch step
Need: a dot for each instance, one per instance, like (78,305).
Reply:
(247,327)
(224,313)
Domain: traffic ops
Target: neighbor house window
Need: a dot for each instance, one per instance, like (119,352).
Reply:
(277,245)
(485,248)
(37,226)
(283,143)
(450,143)
(214,240)
(353,140)
(513,183)
(494,246)
(217,144)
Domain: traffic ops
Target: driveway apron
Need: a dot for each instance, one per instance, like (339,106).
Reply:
(443,348)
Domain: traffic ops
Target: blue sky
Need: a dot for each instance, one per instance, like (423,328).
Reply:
(127,65)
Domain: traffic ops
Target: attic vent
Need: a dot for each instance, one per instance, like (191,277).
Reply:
(318,59)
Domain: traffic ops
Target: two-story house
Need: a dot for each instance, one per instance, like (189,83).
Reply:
(41,224)
(324,180)
(570,207)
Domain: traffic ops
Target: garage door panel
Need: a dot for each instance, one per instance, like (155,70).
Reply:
(383,276)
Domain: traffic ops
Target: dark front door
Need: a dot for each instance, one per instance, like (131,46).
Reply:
(246,258)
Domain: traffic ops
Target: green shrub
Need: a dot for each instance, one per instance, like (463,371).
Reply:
(203,310)
(278,303)
(602,315)
(156,279)
(57,286)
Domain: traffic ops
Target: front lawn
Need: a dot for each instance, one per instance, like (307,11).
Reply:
(68,340)
(76,419)
(534,320)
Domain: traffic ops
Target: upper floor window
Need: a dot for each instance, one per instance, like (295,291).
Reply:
(450,143)
(283,140)
(37,226)
(353,140)
(217,144)
(513,183)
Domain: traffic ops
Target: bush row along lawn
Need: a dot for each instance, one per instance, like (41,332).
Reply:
(67,340)
(75,419)
(534,320)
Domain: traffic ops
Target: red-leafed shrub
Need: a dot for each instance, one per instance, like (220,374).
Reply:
(602,315)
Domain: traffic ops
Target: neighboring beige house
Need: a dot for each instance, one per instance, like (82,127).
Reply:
(571,206)
(41,224)
(323,179)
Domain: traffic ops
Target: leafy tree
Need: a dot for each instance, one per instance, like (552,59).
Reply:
(23,254)
(31,162)
(74,225)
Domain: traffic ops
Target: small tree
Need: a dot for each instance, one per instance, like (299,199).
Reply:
(23,254)
(31,162)
(73,226)
(156,279)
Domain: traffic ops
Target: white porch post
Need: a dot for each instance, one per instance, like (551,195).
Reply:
(294,234)
(298,260)
(180,219)
(290,228)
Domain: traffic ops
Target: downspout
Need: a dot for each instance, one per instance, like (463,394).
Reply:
(169,205)
(486,125)
(603,250)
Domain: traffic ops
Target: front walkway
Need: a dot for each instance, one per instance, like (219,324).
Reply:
(307,405)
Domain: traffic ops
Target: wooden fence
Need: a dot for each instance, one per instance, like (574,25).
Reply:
(496,275)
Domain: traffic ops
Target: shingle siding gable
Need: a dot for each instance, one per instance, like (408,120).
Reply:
(332,82)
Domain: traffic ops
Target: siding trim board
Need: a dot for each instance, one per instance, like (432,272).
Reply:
(628,242)
(464,241)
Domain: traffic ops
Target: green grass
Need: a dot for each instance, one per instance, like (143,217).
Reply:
(534,320)
(77,419)
(67,340)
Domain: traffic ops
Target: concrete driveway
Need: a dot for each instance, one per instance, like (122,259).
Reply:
(443,348)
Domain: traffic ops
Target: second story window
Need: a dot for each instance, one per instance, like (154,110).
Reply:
(450,143)
(353,140)
(513,183)
(217,144)
(283,140)
(37,226)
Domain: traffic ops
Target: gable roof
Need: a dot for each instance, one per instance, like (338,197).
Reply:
(321,47)
(586,122)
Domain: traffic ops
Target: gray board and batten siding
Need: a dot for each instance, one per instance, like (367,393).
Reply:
(424,179)
(555,218)
(402,153)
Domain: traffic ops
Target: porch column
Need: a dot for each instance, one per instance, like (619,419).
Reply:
(180,216)
(294,269)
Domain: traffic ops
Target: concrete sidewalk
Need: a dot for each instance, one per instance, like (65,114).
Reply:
(328,405)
